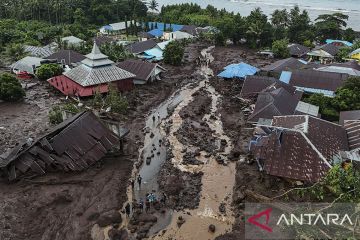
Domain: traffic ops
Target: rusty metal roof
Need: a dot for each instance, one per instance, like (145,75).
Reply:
(73,145)
(300,147)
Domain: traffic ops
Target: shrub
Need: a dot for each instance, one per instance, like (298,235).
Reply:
(174,53)
(55,115)
(47,71)
(10,88)
(280,48)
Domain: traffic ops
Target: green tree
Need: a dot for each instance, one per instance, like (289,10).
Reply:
(153,5)
(47,71)
(173,53)
(15,52)
(348,96)
(55,115)
(280,20)
(330,25)
(349,35)
(116,52)
(280,48)
(300,28)
(10,88)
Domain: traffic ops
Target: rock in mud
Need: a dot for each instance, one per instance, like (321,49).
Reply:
(222,208)
(115,234)
(109,218)
(180,221)
(212,228)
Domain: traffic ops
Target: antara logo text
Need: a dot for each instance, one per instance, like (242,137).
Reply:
(300,219)
(315,219)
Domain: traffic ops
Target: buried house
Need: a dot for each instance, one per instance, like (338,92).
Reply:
(298,147)
(74,145)
(94,74)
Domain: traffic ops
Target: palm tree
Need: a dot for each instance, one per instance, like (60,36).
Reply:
(153,5)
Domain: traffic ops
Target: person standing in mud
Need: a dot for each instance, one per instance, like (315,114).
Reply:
(163,199)
(139,180)
(127,209)
(132,184)
(147,205)
(153,117)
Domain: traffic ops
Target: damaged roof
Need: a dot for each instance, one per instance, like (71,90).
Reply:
(294,148)
(275,103)
(73,145)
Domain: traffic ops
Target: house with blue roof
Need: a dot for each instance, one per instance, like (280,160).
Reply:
(240,70)
(340,43)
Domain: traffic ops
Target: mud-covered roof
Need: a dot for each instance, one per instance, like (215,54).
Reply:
(73,145)
(141,69)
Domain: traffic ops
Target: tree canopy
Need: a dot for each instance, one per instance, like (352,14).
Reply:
(10,88)
(47,71)
(173,53)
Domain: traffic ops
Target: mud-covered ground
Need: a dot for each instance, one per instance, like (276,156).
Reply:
(233,116)
(66,206)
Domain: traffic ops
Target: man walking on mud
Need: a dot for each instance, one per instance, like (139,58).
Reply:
(127,210)
(139,180)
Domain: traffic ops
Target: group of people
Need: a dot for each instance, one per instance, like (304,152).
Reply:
(150,200)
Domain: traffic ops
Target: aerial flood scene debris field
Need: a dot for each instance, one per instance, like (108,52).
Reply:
(124,120)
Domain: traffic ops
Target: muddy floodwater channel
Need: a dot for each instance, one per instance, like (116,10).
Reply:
(161,144)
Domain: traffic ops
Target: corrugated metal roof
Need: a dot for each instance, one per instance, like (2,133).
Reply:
(41,52)
(307,108)
(140,47)
(287,64)
(86,76)
(26,64)
(298,50)
(72,40)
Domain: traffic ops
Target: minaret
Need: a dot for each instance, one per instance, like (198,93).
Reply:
(96,58)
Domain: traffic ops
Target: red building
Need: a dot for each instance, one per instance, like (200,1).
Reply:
(95,74)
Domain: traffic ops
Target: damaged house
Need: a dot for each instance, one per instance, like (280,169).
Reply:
(299,147)
(74,145)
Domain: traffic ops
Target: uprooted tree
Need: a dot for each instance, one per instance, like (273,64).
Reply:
(10,88)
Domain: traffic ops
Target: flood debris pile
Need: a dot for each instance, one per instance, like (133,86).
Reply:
(74,145)
(182,188)
(194,130)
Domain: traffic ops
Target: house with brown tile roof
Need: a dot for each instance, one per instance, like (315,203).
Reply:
(299,147)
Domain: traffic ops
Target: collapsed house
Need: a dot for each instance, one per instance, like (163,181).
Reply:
(74,145)
(299,147)
(287,64)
